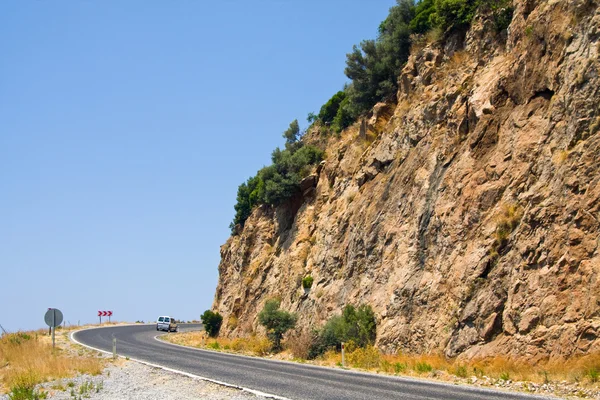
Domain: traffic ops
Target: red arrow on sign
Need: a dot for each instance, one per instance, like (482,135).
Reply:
(99,313)
(109,313)
(104,313)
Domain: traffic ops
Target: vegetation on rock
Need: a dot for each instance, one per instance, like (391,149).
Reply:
(307,282)
(212,322)
(373,68)
(276,321)
(356,325)
(280,181)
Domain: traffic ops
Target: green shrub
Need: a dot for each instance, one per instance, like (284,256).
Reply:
(276,321)
(345,115)
(399,367)
(212,322)
(277,182)
(356,326)
(461,371)
(453,14)
(421,23)
(502,18)
(367,357)
(307,282)
(25,392)
(423,367)
(330,109)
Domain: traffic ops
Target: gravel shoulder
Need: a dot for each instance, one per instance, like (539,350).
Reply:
(132,380)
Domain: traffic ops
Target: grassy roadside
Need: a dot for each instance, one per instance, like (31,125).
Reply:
(27,359)
(576,377)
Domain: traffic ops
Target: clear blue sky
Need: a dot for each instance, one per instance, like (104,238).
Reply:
(125,130)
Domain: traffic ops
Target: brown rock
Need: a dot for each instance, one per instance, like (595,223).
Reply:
(471,223)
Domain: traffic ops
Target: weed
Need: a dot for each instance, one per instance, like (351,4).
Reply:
(399,367)
(423,367)
(71,384)
(367,357)
(529,31)
(506,223)
(25,392)
(460,371)
(505,376)
(593,374)
(214,345)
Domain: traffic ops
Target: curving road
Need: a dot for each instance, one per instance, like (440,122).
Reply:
(283,379)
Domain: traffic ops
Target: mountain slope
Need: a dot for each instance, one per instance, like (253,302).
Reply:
(466,214)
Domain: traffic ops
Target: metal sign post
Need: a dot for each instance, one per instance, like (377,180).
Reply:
(53,318)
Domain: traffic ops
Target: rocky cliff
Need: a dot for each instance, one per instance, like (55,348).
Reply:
(466,213)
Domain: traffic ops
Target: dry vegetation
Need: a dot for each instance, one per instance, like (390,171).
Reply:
(251,345)
(27,359)
(584,370)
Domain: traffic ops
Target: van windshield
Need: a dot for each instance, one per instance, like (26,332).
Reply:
(161,319)
(167,320)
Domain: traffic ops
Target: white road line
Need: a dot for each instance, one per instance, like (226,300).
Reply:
(202,378)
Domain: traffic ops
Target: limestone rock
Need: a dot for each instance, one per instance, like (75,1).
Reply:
(489,131)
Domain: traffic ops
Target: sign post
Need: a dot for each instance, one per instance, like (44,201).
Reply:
(104,314)
(343,356)
(53,318)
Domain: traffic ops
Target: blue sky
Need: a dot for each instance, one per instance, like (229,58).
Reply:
(125,130)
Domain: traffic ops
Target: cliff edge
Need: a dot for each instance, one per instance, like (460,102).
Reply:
(466,213)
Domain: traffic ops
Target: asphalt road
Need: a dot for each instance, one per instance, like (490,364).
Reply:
(289,380)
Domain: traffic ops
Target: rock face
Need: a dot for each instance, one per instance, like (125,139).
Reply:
(467,215)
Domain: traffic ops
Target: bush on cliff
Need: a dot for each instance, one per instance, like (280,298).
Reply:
(280,181)
(374,66)
(356,325)
(276,321)
(212,322)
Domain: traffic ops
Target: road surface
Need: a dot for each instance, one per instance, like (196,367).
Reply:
(283,379)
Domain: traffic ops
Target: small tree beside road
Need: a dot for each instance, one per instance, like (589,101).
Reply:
(276,321)
(212,322)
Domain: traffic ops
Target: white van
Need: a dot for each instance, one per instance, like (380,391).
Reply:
(166,323)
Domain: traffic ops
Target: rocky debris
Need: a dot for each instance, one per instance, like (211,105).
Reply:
(468,217)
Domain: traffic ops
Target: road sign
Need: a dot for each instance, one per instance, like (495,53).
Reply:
(104,314)
(53,317)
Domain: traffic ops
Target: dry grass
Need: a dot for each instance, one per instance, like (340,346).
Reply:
(583,370)
(560,156)
(27,358)
(506,222)
(251,345)
(299,345)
